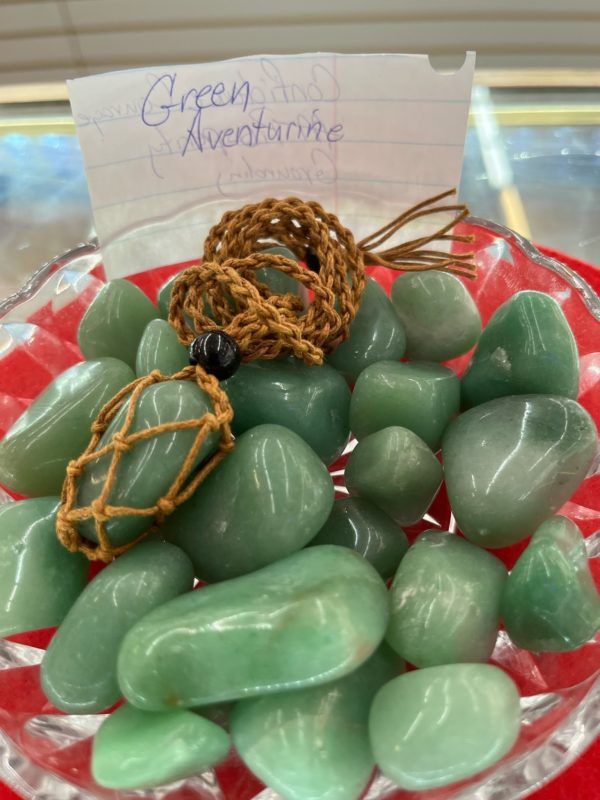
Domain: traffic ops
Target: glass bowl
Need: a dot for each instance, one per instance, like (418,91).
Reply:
(45,754)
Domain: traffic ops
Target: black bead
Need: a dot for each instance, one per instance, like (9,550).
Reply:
(312,260)
(216,352)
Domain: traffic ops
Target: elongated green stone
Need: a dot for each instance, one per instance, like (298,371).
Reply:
(550,601)
(419,396)
(445,601)
(314,402)
(160,349)
(115,321)
(511,463)
(147,470)
(357,523)
(396,470)
(136,749)
(265,500)
(439,315)
(438,725)
(56,427)
(39,579)
(527,347)
(78,671)
(303,621)
(314,742)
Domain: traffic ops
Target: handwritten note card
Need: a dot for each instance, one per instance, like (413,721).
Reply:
(168,149)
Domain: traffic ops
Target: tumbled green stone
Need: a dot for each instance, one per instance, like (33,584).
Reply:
(550,601)
(438,725)
(445,601)
(267,498)
(55,428)
(376,333)
(148,469)
(527,347)
(419,396)
(511,463)
(79,669)
(357,523)
(160,349)
(314,402)
(163,298)
(136,749)
(302,621)
(438,313)
(314,742)
(39,579)
(396,470)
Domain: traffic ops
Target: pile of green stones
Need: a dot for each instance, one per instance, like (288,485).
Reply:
(295,652)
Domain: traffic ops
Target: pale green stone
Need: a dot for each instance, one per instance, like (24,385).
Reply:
(314,402)
(419,396)
(445,601)
(160,349)
(438,313)
(527,347)
(39,579)
(78,671)
(396,470)
(550,601)
(439,725)
(267,498)
(55,428)
(163,298)
(511,463)
(303,621)
(314,742)
(115,321)
(136,749)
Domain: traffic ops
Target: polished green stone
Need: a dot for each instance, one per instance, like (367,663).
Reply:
(302,621)
(39,579)
(314,742)
(445,601)
(439,315)
(314,402)
(55,428)
(147,471)
(439,725)
(396,470)
(511,463)
(419,396)
(265,500)
(160,349)
(376,334)
(550,601)
(357,523)
(163,297)
(527,347)
(136,749)
(115,321)
(78,671)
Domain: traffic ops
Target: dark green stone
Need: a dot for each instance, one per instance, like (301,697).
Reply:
(160,349)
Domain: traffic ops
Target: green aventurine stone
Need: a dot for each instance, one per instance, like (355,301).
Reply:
(357,523)
(56,427)
(511,463)
(439,315)
(395,470)
(445,601)
(550,601)
(527,347)
(39,579)
(303,621)
(146,472)
(314,742)
(376,334)
(438,725)
(79,669)
(419,396)
(267,498)
(115,321)
(160,349)
(136,749)
(314,402)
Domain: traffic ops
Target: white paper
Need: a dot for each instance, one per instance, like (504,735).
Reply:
(168,149)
